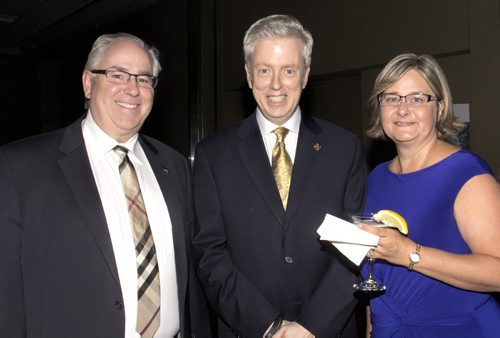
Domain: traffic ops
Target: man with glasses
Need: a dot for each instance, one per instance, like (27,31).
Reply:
(95,219)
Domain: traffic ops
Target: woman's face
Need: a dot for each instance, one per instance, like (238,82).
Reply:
(406,124)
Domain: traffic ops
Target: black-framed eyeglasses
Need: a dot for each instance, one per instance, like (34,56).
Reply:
(122,77)
(413,100)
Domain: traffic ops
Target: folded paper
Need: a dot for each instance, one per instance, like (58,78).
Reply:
(350,240)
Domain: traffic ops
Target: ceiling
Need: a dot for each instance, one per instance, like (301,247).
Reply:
(27,24)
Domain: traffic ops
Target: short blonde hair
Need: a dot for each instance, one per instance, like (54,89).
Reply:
(446,123)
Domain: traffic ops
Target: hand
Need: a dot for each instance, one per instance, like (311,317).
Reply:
(293,330)
(284,322)
(392,245)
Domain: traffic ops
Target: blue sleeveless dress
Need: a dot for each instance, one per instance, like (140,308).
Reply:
(415,305)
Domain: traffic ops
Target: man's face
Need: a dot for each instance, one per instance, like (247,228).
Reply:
(277,77)
(120,109)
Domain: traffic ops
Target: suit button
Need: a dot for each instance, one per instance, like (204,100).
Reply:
(119,305)
(289,260)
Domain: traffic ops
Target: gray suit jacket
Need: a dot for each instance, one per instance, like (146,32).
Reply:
(58,276)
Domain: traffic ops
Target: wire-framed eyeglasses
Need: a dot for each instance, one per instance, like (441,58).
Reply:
(413,100)
(122,77)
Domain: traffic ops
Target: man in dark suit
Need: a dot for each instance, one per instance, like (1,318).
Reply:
(71,255)
(259,258)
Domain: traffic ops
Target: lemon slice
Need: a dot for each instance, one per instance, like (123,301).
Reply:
(392,219)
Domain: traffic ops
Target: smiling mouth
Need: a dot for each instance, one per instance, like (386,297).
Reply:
(127,105)
(277,98)
(403,124)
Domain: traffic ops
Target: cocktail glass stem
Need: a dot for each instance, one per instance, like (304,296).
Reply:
(370,284)
(371,262)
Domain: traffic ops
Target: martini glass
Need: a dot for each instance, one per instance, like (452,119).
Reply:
(369,284)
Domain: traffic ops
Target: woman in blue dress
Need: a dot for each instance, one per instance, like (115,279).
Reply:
(441,276)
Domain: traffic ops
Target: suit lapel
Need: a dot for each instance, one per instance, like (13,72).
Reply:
(308,150)
(252,152)
(76,168)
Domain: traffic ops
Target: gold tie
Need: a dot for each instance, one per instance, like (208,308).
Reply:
(148,277)
(282,164)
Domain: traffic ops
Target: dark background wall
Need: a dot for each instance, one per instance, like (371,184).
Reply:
(202,86)
(42,88)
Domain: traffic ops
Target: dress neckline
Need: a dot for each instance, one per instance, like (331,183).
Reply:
(445,159)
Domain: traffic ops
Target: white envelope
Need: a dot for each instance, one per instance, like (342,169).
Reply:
(350,240)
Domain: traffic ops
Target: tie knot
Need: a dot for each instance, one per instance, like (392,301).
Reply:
(121,151)
(281,133)
(122,154)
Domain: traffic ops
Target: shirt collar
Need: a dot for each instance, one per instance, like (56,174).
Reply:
(100,143)
(267,127)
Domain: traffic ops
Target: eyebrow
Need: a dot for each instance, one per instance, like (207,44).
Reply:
(291,65)
(410,93)
(128,71)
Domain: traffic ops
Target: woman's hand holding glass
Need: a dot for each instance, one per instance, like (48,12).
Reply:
(392,246)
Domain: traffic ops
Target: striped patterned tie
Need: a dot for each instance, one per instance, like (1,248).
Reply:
(148,277)
(282,165)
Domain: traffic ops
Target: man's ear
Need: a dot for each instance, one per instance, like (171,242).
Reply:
(306,77)
(249,76)
(87,83)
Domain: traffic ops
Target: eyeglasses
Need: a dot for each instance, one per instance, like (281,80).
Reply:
(122,77)
(413,100)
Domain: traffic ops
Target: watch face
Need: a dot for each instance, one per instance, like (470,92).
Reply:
(414,257)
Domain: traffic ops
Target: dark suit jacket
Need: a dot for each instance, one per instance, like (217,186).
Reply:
(58,276)
(257,261)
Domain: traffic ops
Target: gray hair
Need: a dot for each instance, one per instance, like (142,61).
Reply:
(447,125)
(102,43)
(276,27)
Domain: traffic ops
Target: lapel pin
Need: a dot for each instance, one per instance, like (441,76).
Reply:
(317,146)
(165,170)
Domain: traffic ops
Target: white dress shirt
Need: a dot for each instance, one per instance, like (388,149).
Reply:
(104,162)
(266,129)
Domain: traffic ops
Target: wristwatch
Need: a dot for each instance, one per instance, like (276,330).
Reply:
(414,258)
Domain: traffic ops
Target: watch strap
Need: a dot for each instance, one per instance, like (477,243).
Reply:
(412,264)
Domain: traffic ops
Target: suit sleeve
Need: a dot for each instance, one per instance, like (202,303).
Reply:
(332,304)
(244,309)
(200,315)
(12,318)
